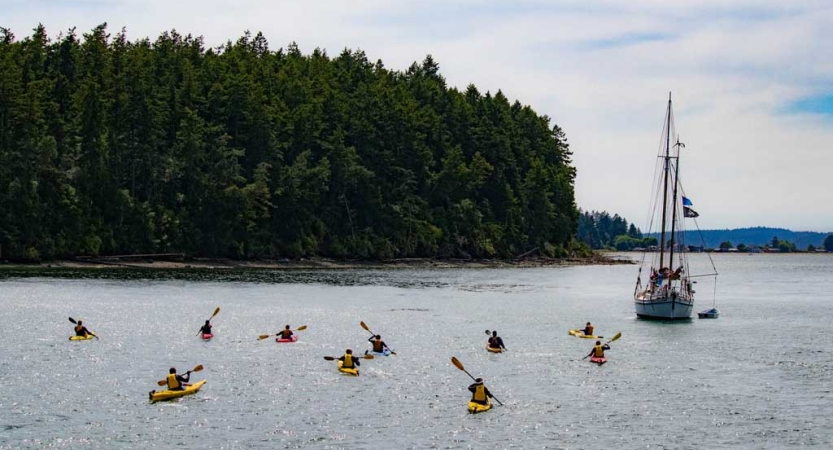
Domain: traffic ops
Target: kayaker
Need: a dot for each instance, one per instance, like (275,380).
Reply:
(348,361)
(379,345)
(81,330)
(177,382)
(206,329)
(599,350)
(479,392)
(588,330)
(495,341)
(286,333)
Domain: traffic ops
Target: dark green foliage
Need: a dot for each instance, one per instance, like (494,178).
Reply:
(114,147)
(783,246)
(756,236)
(828,243)
(624,242)
(600,230)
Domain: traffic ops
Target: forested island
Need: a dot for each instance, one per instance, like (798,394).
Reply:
(112,146)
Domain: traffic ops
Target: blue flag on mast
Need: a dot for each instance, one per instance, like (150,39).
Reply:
(687,210)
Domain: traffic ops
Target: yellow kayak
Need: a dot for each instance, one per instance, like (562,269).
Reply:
(169,394)
(354,372)
(475,408)
(494,350)
(82,338)
(579,333)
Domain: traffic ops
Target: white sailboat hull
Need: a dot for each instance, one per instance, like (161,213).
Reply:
(664,307)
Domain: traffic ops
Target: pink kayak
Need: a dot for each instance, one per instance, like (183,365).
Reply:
(207,337)
(598,360)
(287,341)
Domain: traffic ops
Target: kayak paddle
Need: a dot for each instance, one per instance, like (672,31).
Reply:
(264,336)
(216,311)
(195,369)
(459,365)
(364,325)
(333,358)
(88,331)
(615,337)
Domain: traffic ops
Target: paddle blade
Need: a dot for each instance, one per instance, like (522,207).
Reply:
(301,328)
(616,336)
(364,325)
(263,336)
(216,311)
(330,358)
(368,357)
(198,368)
(161,382)
(457,363)
(488,332)
(73,320)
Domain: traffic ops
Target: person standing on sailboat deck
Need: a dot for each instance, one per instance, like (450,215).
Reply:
(599,350)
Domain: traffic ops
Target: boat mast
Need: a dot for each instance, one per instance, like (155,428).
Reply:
(665,183)
(674,207)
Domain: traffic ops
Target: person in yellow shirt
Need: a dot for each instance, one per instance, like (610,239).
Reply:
(479,392)
(599,350)
(177,382)
(348,361)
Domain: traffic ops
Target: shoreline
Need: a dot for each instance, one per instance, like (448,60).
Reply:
(130,262)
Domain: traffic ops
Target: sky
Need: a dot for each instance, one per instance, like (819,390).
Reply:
(751,80)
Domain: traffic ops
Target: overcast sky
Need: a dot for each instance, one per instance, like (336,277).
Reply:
(752,81)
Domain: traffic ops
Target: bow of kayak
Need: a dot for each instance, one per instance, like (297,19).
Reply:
(168,394)
(580,334)
(475,407)
(82,338)
(354,372)
(599,360)
(494,350)
(207,337)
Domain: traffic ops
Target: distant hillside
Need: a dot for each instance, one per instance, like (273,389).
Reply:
(753,236)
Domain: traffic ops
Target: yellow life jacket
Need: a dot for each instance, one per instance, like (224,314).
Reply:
(348,362)
(479,393)
(598,351)
(377,346)
(589,330)
(173,383)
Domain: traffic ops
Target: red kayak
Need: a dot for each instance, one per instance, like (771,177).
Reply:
(207,337)
(287,341)
(598,360)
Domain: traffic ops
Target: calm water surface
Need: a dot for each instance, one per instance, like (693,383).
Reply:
(757,377)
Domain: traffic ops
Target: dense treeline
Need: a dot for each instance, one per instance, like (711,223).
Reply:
(757,236)
(109,146)
(601,230)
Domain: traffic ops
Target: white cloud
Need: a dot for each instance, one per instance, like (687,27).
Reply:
(601,70)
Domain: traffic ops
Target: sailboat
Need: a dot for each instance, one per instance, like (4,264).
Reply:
(669,291)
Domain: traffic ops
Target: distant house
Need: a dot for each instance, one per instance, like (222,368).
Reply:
(696,248)
(771,250)
(754,249)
